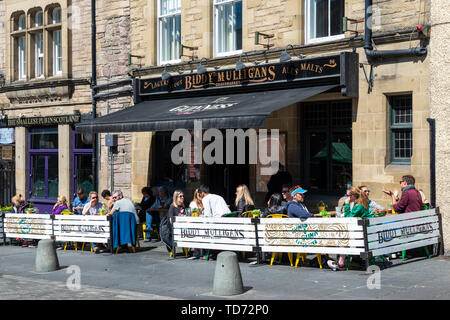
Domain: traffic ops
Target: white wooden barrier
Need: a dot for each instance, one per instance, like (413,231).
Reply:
(313,235)
(77,228)
(28,226)
(234,234)
(403,231)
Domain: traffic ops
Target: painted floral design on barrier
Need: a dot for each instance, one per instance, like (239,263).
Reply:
(322,235)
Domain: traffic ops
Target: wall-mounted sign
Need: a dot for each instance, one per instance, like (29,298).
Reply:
(6,135)
(7,153)
(43,121)
(295,70)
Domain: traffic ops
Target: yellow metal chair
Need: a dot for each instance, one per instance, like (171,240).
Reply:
(290,254)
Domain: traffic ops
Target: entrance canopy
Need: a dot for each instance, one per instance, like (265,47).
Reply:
(236,110)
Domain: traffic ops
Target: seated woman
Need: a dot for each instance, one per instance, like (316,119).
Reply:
(244,201)
(177,206)
(360,209)
(147,200)
(274,206)
(106,194)
(196,203)
(19,204)
(60,205)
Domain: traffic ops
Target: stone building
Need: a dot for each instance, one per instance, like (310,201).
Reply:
(382,149)
(46,61)
(371,127)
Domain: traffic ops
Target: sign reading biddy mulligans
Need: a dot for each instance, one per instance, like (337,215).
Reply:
(295,70)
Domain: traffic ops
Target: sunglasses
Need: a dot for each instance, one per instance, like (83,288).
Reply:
(180,196)
(94,197)
(366,191)
(285,191)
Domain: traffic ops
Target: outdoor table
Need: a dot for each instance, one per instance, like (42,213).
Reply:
(331,214)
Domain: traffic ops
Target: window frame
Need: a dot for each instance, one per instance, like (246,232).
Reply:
(308,39)
(400,127)
(55,56)
(216,29)
(22,58)
(39,55)
(160,16)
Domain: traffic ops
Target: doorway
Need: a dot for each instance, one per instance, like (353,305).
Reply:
(327,147)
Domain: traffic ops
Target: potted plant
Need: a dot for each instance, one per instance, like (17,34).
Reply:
(322,206)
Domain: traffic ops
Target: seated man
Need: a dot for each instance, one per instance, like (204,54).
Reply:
(123,204)
(213,204)
(79,201)
(411,199)
(296,208)
(93,206)
(163,201)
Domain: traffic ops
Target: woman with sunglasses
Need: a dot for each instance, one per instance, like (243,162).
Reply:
(373,206)
(177,206)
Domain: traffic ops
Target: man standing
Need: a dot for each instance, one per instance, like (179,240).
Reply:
(411,199)
(296,208)
(213,204)
(123,204)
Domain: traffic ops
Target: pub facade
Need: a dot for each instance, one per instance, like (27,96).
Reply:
(369,128)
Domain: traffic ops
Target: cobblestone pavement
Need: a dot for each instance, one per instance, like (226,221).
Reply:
(149,274)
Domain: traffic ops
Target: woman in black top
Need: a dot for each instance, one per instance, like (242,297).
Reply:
(274,206)
(177,206)
(244,201)
(146,202)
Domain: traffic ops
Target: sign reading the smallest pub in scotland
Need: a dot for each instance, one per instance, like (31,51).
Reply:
(43,121)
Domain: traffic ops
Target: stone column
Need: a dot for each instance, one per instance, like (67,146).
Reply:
(65,161)
(140,151)
(21,161)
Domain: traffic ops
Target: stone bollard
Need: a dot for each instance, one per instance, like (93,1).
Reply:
(46,258)
(227,277)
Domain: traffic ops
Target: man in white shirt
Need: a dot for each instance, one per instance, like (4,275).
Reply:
(213,204)
(93,206)
(123,204)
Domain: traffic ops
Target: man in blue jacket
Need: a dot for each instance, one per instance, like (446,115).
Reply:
(296,208)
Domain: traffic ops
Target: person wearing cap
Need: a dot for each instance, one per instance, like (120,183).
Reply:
(296,208)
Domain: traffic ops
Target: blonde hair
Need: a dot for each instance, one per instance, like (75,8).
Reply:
(63,200)
(243,192)
(17,200)
(361,197)
(176,193)
(196,200)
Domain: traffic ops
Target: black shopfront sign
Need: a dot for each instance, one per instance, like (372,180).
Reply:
(326,68)
(42,121)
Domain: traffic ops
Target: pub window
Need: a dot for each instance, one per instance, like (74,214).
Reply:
(22,22)
(43,164)
(323,19)
(401,118)
(169,26)
(82,162)
(39,54)
(227,27)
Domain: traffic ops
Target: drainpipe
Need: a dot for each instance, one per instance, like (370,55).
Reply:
(374,56)
(432,123)
(94,103)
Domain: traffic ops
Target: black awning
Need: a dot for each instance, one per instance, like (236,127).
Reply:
(240,110)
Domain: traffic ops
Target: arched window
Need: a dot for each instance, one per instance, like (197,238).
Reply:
(56,15)
(38,19)
(22,22)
